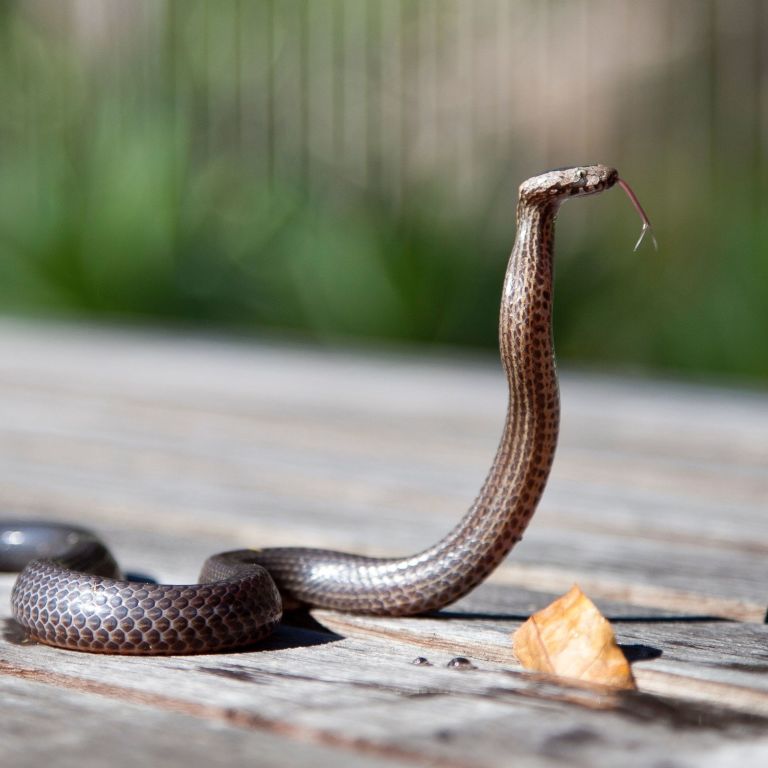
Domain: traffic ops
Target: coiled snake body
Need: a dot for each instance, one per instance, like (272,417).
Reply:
(238,600)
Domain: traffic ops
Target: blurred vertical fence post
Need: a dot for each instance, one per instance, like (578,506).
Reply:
(206,162)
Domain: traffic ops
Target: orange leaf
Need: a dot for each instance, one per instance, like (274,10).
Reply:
(571,638)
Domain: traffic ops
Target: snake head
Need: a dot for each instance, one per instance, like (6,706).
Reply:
(561,183)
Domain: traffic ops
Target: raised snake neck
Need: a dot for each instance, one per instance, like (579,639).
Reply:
(237,604)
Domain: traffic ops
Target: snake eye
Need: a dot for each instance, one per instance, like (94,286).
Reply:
(581,174)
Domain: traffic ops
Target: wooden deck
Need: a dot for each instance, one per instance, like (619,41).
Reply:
(175,448)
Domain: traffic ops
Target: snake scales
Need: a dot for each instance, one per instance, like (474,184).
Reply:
(238,599)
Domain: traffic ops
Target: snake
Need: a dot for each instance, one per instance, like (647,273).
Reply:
(70,593)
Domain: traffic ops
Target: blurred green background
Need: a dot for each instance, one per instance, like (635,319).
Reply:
(347,169)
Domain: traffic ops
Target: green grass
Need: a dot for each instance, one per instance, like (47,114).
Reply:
(114,205)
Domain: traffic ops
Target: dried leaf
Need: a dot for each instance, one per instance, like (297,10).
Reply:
(571,638)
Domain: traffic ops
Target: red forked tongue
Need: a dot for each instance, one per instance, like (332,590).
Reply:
(643,215)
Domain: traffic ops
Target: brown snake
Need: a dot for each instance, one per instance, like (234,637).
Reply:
(239,598)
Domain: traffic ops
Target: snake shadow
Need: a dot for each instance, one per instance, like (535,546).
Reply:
(629,619)
(298,629)
(13,633)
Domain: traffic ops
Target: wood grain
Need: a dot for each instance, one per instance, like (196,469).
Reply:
(173,448)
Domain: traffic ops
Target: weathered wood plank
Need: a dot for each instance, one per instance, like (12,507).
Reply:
(50,724)
(175,448)
(365,695)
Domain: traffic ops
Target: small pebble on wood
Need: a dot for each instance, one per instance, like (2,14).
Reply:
(460,662)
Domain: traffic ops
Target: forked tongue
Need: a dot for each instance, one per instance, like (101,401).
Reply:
(646,230)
